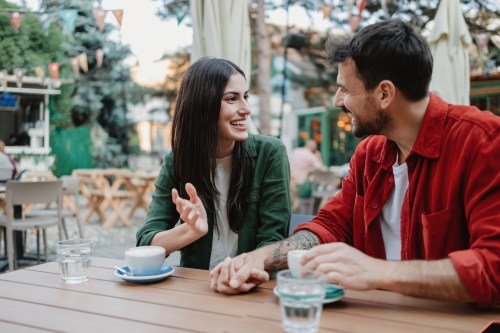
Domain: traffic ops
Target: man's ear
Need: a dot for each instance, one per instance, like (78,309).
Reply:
(386,93)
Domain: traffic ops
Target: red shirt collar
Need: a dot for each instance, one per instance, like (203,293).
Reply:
(428,143)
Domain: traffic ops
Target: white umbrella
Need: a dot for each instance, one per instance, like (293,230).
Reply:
(449,41)
(221,28)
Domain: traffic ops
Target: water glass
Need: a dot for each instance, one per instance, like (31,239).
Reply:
(301,299)
(74,257)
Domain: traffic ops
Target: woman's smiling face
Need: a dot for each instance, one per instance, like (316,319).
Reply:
(233,116)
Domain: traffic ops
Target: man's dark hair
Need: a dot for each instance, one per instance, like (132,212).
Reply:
(390,50)
(195,136)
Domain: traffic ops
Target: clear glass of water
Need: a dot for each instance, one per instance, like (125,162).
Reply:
(74,257)
(301,300)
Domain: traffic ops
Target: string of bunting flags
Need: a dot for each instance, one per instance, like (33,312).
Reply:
(68,19)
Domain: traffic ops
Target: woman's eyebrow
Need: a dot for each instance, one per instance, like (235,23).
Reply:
(235,92)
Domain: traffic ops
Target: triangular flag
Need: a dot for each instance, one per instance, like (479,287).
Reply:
(354,21)
(482,40)
(74,66)
(99,57)
(15,20)
(99,15)
(118,13)
(19,74)
(68,17)
(3,79)
(179,14)
(46,20)
(82,61)
(40,72)
(54,69)
(361,6)
(326,10)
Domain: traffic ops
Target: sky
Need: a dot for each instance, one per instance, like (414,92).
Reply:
(149,37)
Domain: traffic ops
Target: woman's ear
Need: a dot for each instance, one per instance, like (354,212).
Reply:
(387,93)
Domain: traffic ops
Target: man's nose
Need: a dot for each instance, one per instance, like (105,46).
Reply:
(338,99)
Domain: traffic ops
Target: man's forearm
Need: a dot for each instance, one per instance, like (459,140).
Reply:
(276,254)
(435,279)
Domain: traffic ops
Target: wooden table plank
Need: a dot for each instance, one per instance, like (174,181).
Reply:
(64,320)
(18,328)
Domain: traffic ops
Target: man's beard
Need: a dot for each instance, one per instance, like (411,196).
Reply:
(372,126)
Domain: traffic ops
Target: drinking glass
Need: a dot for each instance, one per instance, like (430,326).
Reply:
(74,257)
(301,299)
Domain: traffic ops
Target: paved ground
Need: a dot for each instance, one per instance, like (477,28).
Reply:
(107,243)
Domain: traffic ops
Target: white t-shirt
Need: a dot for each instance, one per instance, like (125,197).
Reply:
(390,217)
(6,167)
(225,242)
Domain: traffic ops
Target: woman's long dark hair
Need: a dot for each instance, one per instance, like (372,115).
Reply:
(195,137)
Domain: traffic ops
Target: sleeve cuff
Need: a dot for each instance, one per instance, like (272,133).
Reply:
(475,276)
(324,235)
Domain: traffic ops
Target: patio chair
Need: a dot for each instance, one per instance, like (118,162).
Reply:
(25,193)
(70,191)
(325,184)
(297,219)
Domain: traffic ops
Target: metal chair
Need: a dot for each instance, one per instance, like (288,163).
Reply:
(70,191)
(25,193)
(325,184)
(297,219)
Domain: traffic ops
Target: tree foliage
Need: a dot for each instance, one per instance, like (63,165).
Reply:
(30,46)
(99,96)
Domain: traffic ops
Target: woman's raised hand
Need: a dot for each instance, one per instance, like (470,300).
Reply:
(192,211)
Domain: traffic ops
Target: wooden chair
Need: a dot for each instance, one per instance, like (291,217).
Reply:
(25,193)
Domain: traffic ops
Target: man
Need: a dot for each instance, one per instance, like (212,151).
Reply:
(8,168)
(303,160)
(419,211)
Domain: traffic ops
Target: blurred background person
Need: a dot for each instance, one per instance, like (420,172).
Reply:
(303,160)
(8,167)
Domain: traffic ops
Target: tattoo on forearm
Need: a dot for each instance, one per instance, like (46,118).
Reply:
(303,240)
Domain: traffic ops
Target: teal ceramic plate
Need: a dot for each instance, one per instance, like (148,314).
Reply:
(333,293)
(164,272)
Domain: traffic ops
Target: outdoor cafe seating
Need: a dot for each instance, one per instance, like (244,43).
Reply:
(117,189)
(70,207)
(22,193)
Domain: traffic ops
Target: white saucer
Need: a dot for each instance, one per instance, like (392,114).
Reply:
(327,299)
(164,272)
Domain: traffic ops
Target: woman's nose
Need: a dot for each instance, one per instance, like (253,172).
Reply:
(245,108)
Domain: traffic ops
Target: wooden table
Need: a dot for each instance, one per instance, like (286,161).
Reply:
(100,194)
(35,299)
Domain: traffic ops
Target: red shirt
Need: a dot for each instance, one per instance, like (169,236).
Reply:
(452,205)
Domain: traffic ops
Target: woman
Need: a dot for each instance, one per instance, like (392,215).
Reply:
(235,184)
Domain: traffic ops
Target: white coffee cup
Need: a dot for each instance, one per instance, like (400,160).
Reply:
(293,258)
(145,260)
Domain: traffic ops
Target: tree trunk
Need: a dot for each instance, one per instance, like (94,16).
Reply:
(264,70)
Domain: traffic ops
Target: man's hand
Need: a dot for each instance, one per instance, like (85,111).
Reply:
(344,265)
(240,274)
(191,211)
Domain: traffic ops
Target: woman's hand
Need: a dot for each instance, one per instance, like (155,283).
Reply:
(192,211)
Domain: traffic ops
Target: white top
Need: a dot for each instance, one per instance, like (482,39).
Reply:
(390,218)
(225,242)
(6,167)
